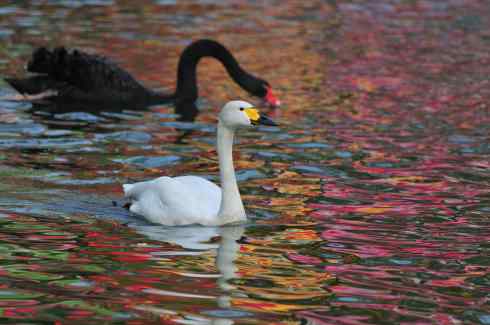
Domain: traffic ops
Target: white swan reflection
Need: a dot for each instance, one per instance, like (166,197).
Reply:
(198,240)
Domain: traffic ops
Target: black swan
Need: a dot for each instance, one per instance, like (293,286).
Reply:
(74,77)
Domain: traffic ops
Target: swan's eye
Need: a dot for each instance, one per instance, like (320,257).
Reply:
(241,108)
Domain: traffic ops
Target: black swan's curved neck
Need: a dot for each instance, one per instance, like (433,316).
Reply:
(186,73)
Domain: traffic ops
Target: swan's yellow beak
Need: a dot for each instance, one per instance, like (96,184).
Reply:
(257,119)
(252,113)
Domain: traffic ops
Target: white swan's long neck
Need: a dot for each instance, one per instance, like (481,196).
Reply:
(231,208)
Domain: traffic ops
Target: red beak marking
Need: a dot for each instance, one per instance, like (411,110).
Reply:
(271,99)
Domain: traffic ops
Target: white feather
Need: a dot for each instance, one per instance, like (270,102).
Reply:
(175,201)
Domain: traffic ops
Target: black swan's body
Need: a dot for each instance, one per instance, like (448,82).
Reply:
(75,77)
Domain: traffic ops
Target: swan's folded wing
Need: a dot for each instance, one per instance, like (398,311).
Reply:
(87,72)
(175,201)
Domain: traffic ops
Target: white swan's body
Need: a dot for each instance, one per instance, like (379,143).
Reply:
(175,200)
(187,200)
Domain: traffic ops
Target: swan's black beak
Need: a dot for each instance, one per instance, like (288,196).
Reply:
(258,119)
(264,120)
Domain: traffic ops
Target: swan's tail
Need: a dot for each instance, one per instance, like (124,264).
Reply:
(130,192)
(43,86)
(127,189)
(53,67)
(133,191)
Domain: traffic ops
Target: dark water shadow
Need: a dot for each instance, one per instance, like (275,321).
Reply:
(187,112)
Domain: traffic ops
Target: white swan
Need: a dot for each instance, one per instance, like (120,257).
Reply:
(187,200)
